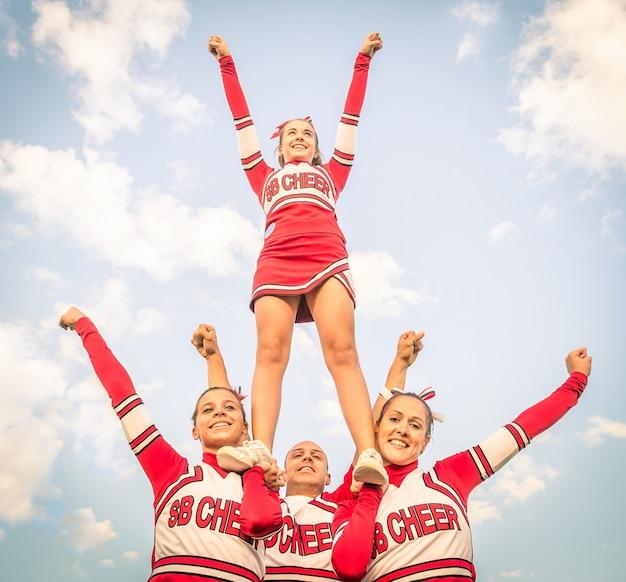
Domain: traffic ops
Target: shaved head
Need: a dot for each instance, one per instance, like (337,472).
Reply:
(306,467)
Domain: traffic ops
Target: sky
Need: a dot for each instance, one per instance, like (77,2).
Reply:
(486,207)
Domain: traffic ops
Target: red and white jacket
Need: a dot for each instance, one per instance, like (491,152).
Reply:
(206,521)
(419,529)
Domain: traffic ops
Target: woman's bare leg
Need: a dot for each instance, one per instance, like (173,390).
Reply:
(275,317)
(333,311)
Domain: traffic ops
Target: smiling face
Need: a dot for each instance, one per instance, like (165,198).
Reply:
(402,433)
(298,142)
(306,467)
(219,420)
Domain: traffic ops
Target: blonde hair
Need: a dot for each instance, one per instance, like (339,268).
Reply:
(317,159)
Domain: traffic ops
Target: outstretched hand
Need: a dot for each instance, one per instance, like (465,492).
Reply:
(410,344)
(218,47)
(373,42)
(578,361)
(204,339)
(70,317)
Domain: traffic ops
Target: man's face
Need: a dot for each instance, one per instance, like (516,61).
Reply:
(306,464)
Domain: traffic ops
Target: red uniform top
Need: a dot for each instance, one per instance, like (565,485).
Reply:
(419,529)
(207,521)
(303,242)
(301,551)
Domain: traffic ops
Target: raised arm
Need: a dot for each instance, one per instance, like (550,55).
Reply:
(155,455)
(343,155)
(480,462)
(410,344)
(247,139)
(204,339)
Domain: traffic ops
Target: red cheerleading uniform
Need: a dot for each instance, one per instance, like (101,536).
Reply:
(301,550)
(304,245)
(207,521)
(419,529)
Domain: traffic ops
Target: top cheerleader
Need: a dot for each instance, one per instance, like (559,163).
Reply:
(302,273)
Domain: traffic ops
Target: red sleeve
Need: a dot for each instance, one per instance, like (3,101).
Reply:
(157,458)
(343,155)
(343,491)
(353,534)
(261,514)
(249,147)
(482,461)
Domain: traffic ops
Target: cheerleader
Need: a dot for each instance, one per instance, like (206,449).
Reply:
(302,273)
(208,522)
(417,528)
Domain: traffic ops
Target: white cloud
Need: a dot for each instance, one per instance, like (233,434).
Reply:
(599,428)
(184,175)
(303,344)
(500,232)
(29,439)
(544,437)
(3,535)
(613,227)
(512,574)
(480,13)
(330,413)
(469,46)
(27,455)
(480,510)
(148,321)
(77,571)
(589,194)
(46,276)
(11,233)
(130,555)
(29,444)
(107,563)
(84,532)
(9,32)
(112,308)
(522,478)
(546,214)
(89,200)
(376,276)
(95,429)
(570,82)
(100,43)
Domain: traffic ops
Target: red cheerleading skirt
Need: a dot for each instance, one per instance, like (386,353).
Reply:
(296,264)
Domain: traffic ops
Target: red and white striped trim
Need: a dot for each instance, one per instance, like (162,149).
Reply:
(205,567)
(302,197)
(325,505)
(327,175)
(340,265)
(126,405)
(144,439)
(432,481)
(288,573)
(519,434)
(350,119)
(193,474)
(345,278)
(251,161)
(343,158)
(481,462)
(452,569)
(243,122)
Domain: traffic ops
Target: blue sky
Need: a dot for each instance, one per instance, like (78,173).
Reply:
(486,207)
